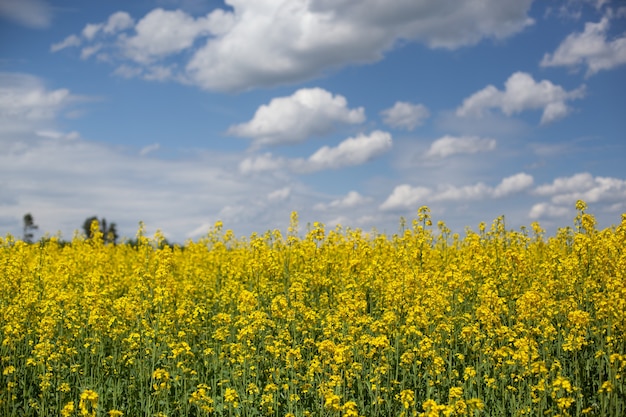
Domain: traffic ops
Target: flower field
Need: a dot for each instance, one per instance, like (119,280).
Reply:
(338,322)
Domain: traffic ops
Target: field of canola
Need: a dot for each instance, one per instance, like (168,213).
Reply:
(329,323)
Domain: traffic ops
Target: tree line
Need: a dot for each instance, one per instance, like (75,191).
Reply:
(108,230)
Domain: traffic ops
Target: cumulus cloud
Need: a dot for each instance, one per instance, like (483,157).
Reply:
(261,163)
(350,200)
(522,93)
(164,32)
(563,192)
(27,105)
(451,145)
(291,119)
(405,115)
(116,23)
(264,43)
(279,195)
(513,184)
(584,186)
(560,185)
(589,48)
(351,151)
(273,43)
(546,210)
(30,13)
(70,41)
(406,196)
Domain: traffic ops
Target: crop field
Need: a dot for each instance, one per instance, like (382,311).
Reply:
(316,322)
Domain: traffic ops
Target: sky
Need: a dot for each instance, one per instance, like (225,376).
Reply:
(182,113)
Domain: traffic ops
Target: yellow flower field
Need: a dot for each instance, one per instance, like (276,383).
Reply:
(330,323)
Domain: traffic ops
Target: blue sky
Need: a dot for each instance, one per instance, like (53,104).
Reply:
(180,113)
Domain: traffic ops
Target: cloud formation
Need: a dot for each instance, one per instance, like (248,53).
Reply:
(406,196)
(163,32)
(563,193)
(26,105)
(350,200)
(589,48)
(307,112)
(265,43)
(404,115)
(350,152)
(451,145)
(584,186)
(521,92)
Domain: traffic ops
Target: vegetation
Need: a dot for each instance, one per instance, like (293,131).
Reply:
(29,226)
(333,323)
(107,232)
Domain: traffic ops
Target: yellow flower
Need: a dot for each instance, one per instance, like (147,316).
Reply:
(407,398)
(68,409)
(231,396)
(88,403)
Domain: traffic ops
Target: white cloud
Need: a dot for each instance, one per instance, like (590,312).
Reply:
(163,32)
(584,186)
(159,73)
(349,152)
(273,43)
(560,185)
(265,42)
(91,30)
(26,105)
(261,163)
(350,200)
(55,134)
(406,196)
(405,115)
(450,145)
(31,13)
(352,151)
(71,40)
(88,51)
(522,93)
(513,184)
(590,48)
(117,22)
(127,71)
(279,195)
(149,149)
(546,210)
(291,119)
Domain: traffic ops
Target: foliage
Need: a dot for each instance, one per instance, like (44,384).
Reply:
(29,226)
(107,232)
(334,323)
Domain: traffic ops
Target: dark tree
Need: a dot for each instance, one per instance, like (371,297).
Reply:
(109,231)
(87,226)
(111,234)
(29,226)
